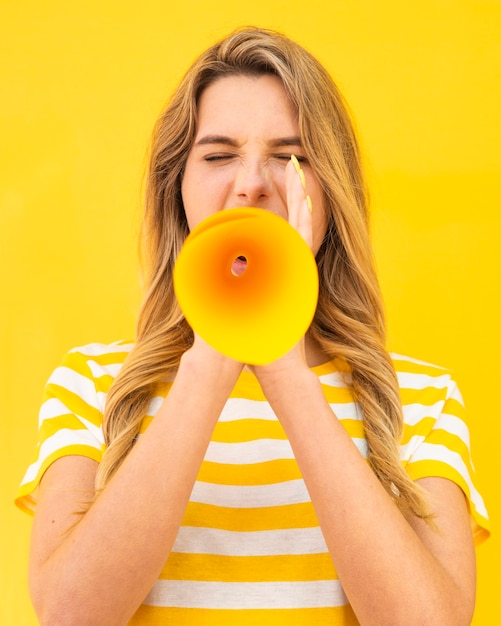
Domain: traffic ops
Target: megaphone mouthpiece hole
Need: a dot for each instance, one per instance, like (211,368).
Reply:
(239,265)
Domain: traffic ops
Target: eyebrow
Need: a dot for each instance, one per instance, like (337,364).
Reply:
(228,141)
(285,141)
(216,139)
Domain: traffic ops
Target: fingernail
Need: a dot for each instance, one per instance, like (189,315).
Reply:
(295,162)
(298,170)
(308,202)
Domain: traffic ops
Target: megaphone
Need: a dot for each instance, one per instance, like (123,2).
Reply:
(247,283)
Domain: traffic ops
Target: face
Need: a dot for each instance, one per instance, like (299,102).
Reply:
(247,131)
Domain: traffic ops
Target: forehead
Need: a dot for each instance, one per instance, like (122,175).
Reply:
(241,102)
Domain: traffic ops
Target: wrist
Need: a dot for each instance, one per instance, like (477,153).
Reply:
(286,380)
(201,361)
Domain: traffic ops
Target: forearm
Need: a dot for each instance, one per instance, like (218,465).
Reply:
(105,567)
(387,572)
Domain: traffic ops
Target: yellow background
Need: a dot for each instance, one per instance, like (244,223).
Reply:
(82,83)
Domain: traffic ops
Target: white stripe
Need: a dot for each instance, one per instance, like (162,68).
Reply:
(336,379)
(408,449)
(155,404)
(253,496)
(455,394)
(194,540)
(96,431)
(435,452)
(347,411)
(449,423)
(260,451)
(101,349)
(98,370)
(407,380)
(61,439)
(240,408)
(257,451)
(362,445)
(53,408)
(82,386)
(414,413)
(400,357)
(263,595)
(455,426)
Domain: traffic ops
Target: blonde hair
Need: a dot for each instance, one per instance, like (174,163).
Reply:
(349,321)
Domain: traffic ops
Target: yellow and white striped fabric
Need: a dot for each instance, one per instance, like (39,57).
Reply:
(250,549)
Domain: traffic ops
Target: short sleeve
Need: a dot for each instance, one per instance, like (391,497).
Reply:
(70,422)
(437,443)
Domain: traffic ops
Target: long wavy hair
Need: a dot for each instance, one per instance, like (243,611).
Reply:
(349,321)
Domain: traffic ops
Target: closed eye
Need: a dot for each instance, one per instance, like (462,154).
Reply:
(287,157)
(211,158)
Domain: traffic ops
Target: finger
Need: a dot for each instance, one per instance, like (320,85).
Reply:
(298,202)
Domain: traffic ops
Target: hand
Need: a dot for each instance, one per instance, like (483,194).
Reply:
(291,361)
(300,218)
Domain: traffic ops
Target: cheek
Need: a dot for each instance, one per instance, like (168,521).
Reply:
(194,207)
(197,192)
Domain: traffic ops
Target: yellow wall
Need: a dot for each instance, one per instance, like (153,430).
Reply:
(82,84)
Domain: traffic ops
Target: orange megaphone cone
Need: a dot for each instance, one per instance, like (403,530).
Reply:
(258,315)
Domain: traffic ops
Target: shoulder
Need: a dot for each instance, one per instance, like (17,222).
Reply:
(97,359)
(86,373)
(103,353)
(422,377)
(429,393)
(408,365)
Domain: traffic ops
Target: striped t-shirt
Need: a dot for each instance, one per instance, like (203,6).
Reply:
(250,549)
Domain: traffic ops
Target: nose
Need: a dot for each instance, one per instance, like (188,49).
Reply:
(252,184)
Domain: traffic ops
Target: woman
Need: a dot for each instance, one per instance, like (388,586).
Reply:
(233,493)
